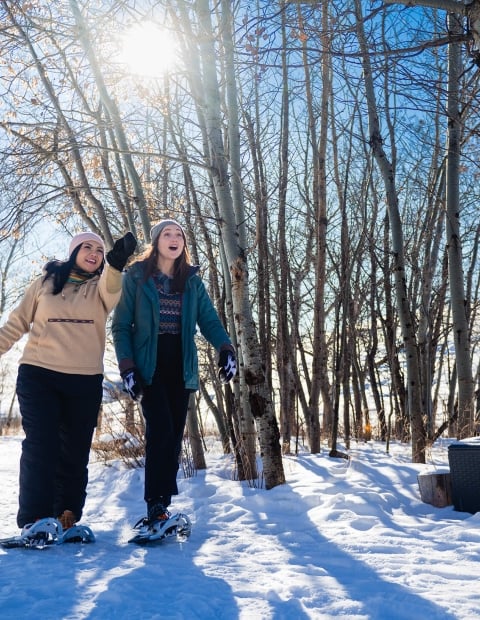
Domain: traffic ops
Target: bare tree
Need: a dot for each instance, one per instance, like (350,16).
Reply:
(233,235)
(459,303)
(407,321)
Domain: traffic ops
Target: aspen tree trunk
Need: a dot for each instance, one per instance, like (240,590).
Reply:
(245,450)
(285,349)
(232,226)
(428,317)
(374,322)
(458,302)
(220,418)
(386,310)
(263,266)
(195,436)
(407,322)
(319,383)
(242,430)
(320,379)
(342,363)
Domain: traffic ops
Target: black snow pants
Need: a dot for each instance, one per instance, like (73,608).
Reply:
(59,414)
(164,407)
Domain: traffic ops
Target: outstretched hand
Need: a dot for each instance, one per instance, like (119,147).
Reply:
(122,249)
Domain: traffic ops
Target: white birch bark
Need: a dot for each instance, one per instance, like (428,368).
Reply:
(232,227)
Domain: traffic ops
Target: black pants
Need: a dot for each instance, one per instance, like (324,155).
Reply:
(164,406)
(59,414)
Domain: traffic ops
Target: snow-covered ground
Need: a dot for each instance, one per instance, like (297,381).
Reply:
(339,540)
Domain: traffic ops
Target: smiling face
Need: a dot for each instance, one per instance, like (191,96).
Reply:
(90,256)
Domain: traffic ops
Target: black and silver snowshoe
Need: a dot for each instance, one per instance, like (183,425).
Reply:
(154,532)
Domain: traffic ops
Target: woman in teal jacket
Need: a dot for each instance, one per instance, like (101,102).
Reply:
(163,300)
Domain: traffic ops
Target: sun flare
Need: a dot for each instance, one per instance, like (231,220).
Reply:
(148,50)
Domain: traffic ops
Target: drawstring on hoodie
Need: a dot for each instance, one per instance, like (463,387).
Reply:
(79,279)
(77,288)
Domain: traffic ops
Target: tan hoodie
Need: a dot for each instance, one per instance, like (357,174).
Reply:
(66,331)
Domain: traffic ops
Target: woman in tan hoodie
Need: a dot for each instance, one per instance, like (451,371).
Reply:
(59,382)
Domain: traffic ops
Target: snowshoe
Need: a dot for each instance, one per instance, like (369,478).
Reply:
(38,535)
(154,532)
(46,532)
(78,534)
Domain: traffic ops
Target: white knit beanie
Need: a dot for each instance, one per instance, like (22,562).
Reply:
(81,238)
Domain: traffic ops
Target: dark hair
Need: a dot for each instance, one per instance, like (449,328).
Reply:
(60,270)
(181,268)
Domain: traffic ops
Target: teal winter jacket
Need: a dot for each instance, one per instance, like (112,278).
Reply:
(136,320)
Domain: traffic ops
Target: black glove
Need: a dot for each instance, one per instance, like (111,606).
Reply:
(228,365)
(122,250)
(132,383)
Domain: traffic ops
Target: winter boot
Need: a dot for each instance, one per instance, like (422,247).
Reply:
(67,519)
(157,511)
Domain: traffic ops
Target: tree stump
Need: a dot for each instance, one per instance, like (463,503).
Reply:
(436,488)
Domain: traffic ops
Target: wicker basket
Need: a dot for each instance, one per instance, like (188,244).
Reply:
(464,460)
